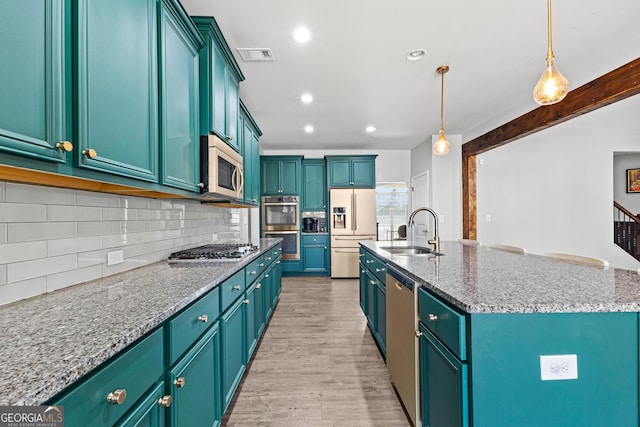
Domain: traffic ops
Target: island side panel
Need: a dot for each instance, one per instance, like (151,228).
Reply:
(505,373)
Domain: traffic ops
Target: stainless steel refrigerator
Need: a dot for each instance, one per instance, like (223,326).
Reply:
(353,218)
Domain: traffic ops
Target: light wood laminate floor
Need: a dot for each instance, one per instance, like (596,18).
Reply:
(317,364)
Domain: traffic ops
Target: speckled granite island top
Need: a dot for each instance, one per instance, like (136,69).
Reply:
(478,279)
(52,340)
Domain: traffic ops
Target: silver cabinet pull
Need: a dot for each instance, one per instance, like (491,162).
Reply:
(179,382)
(117,397)
(165,401)
(203,318)
(432,317)
(236,287)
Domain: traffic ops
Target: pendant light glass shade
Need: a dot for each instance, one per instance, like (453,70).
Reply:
(442,146)
(552,86)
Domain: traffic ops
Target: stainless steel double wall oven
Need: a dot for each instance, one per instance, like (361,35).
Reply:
(281,219)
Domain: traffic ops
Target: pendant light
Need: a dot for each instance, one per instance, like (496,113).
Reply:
(442,146)
(552,86)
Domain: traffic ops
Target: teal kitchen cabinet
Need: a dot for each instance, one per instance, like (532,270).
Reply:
(195,384)
(105,396)
(281,175)
(351,171)
(444,380)
(314,185)
(252,320)
(261,301)
(373,296)
(33,91)
(220,78)
(116,84)
(250,156)
(315,253)
(233,338)
(151,412)
(179,100)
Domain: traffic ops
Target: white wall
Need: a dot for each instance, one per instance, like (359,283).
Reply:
(553,191)
(391,165)
(51,238)
(445,192)
(622,162)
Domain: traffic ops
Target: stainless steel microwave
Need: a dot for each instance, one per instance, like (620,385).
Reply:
(221,169)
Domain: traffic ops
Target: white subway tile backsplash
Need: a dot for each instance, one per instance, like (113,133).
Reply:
(40,267)
(86,198)
(73,213)
(73,245)
(54,238)
(12,212)
(86,259)
(12,292)
(23,251)
(73,277)
(19,231)
(23,193)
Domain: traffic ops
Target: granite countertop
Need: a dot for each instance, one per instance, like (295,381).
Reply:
(478,279)
(52,340)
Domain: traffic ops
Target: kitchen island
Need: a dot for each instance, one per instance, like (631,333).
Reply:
(487,317)
(56,339)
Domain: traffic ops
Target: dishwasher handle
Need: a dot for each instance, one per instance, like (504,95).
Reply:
(401,278)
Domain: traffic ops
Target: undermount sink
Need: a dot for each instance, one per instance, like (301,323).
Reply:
(407,250)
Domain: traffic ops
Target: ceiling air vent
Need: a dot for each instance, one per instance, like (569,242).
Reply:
(255,54)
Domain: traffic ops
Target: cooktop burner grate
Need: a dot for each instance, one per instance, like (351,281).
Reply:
(215,251)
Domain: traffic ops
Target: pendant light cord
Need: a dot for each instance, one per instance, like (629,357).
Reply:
(442,102)
(550,51)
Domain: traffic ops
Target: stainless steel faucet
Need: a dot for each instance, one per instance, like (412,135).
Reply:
(436,239)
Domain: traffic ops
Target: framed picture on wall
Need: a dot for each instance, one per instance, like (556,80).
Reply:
(633,180)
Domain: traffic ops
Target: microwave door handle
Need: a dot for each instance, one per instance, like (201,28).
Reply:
(240,176)
(234,174)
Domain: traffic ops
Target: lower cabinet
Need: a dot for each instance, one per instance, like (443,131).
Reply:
(233,331)
(315,254)
(194,384)
(444,388)
(150,412)
(373,297)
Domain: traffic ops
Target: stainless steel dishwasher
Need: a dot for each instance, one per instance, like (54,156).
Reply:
(402,343)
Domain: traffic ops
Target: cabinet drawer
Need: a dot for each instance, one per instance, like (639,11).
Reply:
(231,289)
(186,327)
(315,239)
(255,269)
(135,371)
(376,266)
(447,324)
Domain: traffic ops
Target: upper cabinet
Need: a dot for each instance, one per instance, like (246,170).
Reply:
(220,77)
(116,84)
(33,102)
(250,134)
(351,171)
(281,175)
(180,43)
(314,184)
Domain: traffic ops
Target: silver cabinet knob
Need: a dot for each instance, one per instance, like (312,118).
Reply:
(203,318)
(419,334)
(165,401)
(90,153)
(201,184)
(179,382)
(259,285)
(236,287)
(246,301)
(378,270)
(64,146)
(117,397)
(432,317)
(253,273)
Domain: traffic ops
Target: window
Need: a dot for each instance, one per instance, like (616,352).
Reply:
(392,199)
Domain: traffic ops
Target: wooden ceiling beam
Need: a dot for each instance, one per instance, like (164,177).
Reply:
(614,86)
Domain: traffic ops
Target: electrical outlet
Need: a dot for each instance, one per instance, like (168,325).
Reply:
(115,257)
(559,367)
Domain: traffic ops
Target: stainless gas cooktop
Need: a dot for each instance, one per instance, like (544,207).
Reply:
(214,252)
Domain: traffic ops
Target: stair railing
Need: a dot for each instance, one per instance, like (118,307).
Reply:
(626,227)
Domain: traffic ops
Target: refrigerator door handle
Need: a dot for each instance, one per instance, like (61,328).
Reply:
(354,225)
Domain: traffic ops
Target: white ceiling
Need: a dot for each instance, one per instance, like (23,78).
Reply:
(355,66)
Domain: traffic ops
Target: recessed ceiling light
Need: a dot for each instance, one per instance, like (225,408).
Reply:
(307,98)
(302,35)
(370,129)
(416,54)
(308,129)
